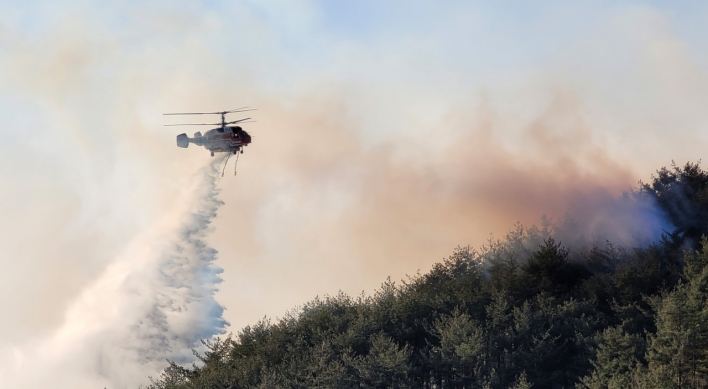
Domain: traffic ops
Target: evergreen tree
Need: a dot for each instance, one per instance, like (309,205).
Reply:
(462,344)
(682,193)
(522,382)
(386,365)
(548,270)
(678,349)
(618,356)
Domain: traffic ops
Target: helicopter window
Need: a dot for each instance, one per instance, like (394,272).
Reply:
(220,130)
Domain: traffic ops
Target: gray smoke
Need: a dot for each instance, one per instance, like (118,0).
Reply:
(602,222)
(155,302)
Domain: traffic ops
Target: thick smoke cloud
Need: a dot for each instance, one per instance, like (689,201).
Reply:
(337,210)
(374,154)
(156,301)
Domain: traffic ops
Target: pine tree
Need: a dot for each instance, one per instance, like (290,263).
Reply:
(618,356)
(522,382)
(682,193)
(548,270)
(386,365)
(462,343)
(696,262)
(678,352)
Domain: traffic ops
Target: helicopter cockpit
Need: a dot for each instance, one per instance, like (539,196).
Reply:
(236,130)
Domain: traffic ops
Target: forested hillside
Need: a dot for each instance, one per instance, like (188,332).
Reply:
(523,312)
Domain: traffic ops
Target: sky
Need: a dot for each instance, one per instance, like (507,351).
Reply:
(387,133)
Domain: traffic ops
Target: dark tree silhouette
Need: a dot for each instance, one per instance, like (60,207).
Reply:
(502,317)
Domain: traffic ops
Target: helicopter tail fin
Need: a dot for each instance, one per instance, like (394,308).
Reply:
(182,141)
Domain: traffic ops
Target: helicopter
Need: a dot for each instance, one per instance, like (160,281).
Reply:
(223,139)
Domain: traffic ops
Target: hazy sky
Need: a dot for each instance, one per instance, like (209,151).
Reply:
(388,132)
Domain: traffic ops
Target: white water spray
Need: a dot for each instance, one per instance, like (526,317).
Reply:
(155,302)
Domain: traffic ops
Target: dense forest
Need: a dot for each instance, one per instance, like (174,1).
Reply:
(522,312)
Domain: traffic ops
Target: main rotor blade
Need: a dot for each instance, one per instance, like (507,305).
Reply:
(193,124)
(234,110)
(242,109)
(237,121)
(191,113)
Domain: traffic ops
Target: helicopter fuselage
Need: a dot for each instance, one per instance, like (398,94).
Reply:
(218,140)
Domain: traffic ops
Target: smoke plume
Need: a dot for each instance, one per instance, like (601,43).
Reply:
(335,210)
(155,302)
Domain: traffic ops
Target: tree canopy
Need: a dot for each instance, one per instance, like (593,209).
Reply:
(500,317)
